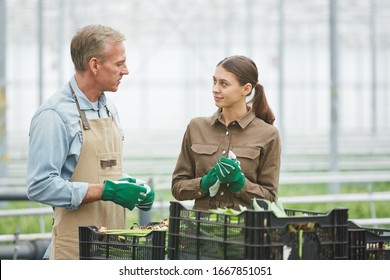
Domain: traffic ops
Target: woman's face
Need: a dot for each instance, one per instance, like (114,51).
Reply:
(227,91)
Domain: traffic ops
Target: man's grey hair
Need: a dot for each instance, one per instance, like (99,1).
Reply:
(91,41)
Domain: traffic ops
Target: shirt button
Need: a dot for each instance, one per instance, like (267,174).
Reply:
(199,193)
(223,152)
(227,132)
(222,193)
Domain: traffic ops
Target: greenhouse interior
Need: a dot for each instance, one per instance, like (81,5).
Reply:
(324,66)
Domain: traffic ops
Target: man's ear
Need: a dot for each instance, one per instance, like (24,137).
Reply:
(93,65)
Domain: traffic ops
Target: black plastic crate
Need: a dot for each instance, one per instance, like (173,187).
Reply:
(367,243)
(306,235)
(102,246)
(356,242)
(195,234)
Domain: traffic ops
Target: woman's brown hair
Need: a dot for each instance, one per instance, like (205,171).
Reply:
(246,72)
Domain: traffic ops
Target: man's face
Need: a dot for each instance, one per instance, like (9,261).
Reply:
(112,68)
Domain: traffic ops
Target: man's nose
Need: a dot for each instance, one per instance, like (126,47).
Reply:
(125,70)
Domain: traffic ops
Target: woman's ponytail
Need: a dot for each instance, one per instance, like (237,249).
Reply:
(260,105)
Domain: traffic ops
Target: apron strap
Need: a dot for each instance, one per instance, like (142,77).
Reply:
(108,112)
(83,117)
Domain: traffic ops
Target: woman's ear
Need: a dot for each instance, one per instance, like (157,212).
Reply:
(247,89)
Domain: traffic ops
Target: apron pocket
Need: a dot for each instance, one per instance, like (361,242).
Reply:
(109,166)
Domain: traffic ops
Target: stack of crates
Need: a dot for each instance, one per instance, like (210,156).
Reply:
(367,243)
(94,245)
(252,235)
(196,234)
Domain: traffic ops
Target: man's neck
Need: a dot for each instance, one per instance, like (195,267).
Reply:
(87,86)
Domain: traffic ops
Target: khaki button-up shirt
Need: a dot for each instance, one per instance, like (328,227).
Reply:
(256,145)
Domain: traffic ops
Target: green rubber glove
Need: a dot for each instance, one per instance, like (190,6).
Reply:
(147,203)
(229,172)
(123,193)
(237,186)
(210,180)
(132,180)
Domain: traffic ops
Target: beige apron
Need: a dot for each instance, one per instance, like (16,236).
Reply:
(100,159)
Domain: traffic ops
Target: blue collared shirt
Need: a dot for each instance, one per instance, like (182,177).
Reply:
(55,144)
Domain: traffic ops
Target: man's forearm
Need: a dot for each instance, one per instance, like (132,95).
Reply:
(94,193)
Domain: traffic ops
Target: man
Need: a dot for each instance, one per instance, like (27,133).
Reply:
(75,148)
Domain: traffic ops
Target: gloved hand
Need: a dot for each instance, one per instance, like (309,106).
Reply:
(210,181)
(214,188)
(123,193)
(229,172)
(147,203)
(132,180)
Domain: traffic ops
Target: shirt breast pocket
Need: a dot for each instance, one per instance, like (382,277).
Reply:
(205,157)
(249,158)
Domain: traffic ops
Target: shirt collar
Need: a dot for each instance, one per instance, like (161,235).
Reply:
(85,104)
(246,119)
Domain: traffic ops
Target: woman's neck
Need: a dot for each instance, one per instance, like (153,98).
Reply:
(229,114)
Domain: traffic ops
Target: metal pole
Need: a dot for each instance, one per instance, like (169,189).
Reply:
(27,250)
(373,67)
(228,25)
(359,83)
(3,99)
(334,120)
(60,27)
(144,217)
(386,99)
(40,51)
(281,73)
(313,82)
(249,25)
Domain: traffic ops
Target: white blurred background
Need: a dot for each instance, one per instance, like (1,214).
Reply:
(173,47)
(324,64)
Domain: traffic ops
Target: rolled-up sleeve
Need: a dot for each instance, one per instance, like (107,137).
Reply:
(48,151)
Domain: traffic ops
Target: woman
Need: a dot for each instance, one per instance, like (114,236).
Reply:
(233,156)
